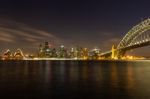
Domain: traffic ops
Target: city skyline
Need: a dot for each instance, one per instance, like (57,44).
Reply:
(26,24)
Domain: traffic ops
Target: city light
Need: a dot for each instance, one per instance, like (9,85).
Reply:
(46,52)
(135,38)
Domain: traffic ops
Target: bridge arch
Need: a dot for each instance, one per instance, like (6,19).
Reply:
(134,33)
(131,39)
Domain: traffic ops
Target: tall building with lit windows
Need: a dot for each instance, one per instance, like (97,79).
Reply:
(45,50)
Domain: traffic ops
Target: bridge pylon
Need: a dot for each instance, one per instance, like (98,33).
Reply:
(138,36)
(114,52)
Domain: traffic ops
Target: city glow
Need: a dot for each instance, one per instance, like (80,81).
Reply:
(135,38)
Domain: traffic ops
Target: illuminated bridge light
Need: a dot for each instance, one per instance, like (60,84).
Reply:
(134,38)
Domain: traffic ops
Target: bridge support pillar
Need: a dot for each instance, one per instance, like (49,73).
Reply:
(117,54)
(114,52)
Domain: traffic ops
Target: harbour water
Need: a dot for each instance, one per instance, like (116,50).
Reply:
(75,79)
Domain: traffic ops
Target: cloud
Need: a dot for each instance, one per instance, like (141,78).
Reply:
(30,40)
(6,40)
(40,32)
(24,36)
(6,35)
(12,29)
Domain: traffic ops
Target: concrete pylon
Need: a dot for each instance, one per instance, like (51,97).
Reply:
(114,52)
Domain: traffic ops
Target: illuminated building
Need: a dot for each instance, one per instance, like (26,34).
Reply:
(7,55)
(18,54)
(41,52)
(45,51)
(62,52)
(94,54)
(72,53)
(53,52)
(79,52)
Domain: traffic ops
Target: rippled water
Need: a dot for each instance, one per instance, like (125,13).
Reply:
(74,80)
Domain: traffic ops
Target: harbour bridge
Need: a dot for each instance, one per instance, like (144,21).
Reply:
(138,36)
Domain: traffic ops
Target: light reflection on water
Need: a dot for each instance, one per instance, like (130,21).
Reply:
(75,79)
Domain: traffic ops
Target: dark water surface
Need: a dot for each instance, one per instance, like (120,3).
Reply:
(74,80)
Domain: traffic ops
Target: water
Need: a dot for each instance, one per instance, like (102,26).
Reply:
(74,80)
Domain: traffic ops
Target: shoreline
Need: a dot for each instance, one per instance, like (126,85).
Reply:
(75,59)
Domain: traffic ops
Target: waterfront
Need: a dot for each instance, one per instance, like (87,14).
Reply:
(75,79)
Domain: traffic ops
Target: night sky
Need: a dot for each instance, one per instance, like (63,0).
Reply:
(88,23)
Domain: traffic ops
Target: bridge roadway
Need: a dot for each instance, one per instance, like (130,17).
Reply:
(137,45)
